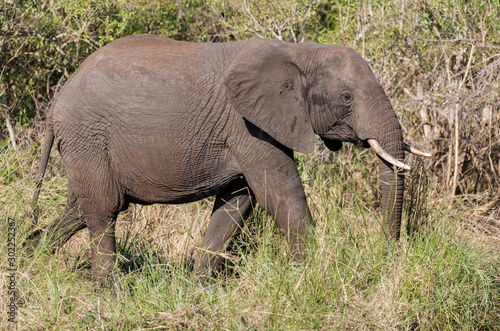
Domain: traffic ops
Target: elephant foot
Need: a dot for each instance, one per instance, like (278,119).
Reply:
(298,252)
(111,284)
(39,239)
(208,266)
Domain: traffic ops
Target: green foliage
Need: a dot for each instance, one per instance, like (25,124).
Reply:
(44,42)
(187,20)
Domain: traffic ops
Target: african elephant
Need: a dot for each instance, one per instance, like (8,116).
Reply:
(150,120)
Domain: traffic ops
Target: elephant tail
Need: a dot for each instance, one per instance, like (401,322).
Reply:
(47,146)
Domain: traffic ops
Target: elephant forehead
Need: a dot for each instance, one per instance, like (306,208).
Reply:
(344,61)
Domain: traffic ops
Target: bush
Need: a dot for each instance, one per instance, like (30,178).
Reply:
(44,42)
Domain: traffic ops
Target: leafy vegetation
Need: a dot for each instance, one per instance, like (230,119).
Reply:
(44,42)
(439,63)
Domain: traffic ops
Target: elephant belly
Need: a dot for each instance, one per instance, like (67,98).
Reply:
(174,192)
(169,173)
(156,194)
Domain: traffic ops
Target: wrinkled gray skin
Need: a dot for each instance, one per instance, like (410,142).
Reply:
(151,120)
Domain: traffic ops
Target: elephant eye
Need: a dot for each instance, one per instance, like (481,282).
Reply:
(347,98)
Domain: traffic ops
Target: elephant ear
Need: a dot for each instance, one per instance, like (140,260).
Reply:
(266,87)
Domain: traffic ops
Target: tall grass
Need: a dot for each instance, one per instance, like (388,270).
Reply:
(443,274)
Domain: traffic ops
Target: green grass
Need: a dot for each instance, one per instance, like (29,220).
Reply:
(443,275)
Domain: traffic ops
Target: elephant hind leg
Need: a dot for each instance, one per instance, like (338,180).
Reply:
(56,234)
(232,206)
(101,210)
(99,199)
(103,249)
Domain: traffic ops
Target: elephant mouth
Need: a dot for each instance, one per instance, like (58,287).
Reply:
(333,144)
(337,134)
(334,141)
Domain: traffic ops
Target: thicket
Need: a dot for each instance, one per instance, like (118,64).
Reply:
(439,62)
(44,42)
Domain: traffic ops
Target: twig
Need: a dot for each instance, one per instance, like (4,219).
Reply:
(462,40)
(10,128)
(455,169)
(457,107)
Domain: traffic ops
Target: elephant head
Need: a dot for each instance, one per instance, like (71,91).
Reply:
(294,91)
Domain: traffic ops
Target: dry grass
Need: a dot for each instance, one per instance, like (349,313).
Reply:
(442,275)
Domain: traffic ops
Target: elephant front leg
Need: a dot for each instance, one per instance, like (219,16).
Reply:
(278,189)
(291,214)
(232,206)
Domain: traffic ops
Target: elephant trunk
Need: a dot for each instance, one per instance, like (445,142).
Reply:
(391,177)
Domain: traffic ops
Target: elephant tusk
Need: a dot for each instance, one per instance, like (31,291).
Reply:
(383,154)
(415,151)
